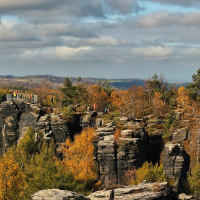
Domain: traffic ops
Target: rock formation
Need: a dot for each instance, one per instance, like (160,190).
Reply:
(176,164)
(143,191)
(56,194)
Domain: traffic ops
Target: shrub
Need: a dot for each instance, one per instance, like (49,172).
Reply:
(112,116)
(194,180)
(148,172)
(68,113)
(171,120)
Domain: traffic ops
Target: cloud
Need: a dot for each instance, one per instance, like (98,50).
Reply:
(160,52)
(103,41)
(165,18)
(123,7)
(32,9)
(57,53)
(191,3)
(192,52)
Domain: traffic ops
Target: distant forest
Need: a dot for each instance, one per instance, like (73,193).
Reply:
(56,82)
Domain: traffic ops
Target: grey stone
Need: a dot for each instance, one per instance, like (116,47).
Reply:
(147,191)
(56,194)
(183,196)
(101,195)
(176,164)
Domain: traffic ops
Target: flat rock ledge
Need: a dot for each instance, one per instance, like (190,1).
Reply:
(56,194)
(143,191)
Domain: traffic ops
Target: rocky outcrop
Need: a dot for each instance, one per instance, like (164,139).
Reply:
(56,194)
(88,120)
(143,191)
(180,134)
(131,152)
(105,153)
(16,116)
(183,196)
(176,164)
(9,124)
(102,195)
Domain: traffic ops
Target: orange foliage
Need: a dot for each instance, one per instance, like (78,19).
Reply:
(131,101)
(116,99)
(79,156)
(157,103)
(97,96)
(44,93)
(117,135)
(183,98)
(11,182)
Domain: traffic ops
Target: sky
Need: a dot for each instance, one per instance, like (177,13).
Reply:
(100,38)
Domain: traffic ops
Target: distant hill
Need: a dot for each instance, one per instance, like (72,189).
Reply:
(56,81)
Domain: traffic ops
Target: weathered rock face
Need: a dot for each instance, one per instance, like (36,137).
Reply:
(176,164)
(180,134)
(105,153)
(16,116)
(143,191)
(9,118)
(114,158)
(56,194)
(131,152)
(88,120)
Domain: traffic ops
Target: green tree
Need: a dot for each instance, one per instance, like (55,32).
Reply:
(195,85)
(74,94)
(68,90)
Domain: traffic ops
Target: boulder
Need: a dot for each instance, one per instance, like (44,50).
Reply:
(143,191)
(180,134)
(56,194)
(183,196)
(102,195)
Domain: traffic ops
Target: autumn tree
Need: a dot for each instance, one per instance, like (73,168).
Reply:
(116,99)
(11,180)
(194,180)
(155,84)
(183,98)
(157,104)
(78,157)
(43,92)
(96,95)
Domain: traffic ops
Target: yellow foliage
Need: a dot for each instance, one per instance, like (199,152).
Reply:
(11,181)
(79,156)
(157,103)
(183,98)
(150,173)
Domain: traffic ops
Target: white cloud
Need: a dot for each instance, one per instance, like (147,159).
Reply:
(192,52)
(65,52)
(154,51)
(103,40)
(165,18)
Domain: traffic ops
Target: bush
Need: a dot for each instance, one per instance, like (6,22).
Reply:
(171,120)
(194,180)
(68,113)
(148,172)
(112,116)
